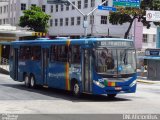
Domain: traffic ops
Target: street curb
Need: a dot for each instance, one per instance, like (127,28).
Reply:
(148,81)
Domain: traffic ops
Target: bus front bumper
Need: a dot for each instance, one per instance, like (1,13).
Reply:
(114,90)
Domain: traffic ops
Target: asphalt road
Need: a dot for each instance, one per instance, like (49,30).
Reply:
(16,99)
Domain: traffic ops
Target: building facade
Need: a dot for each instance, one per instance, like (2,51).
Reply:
(65,20)
(149,38)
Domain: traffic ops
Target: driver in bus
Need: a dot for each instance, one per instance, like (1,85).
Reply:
(107,59)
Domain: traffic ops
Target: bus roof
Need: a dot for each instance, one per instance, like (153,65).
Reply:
(5,43)
(65,41)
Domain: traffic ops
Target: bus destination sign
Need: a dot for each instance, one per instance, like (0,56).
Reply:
(116,43)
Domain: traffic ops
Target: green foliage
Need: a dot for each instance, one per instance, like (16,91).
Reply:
(150,4)
(128,15)
(35,19)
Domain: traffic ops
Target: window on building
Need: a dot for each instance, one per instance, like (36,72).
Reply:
(33,5)
(0,10)
(15,6)
(51,8)
(51,22)
(106,3)
(61,21)
(44,8)
(72,21)
(78,20)
(145,38)
(72,6)
(14,20)
(11,21)
(6,8)
(154,38)
(11,7)
(66,21)
(4,11)
(59,53)
(92,19)
(85,3)
(56,22)
(67,7)
(79,4)
(61,7)
(56,8)
(4,21)
(103,19)
(23,6)
(92,3)
(0,21)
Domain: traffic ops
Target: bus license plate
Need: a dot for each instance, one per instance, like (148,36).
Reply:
(118,88)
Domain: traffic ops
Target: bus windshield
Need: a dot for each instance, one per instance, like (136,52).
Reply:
(115,62)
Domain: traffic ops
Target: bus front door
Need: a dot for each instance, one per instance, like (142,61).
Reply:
(86,71)
(45,60)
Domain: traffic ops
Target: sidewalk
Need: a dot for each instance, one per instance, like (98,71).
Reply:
(145,80)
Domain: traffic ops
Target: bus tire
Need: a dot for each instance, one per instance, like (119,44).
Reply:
(76,89)
(32,82)
(26,81)
(111,96)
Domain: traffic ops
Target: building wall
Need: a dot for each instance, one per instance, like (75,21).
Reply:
(150,42)
(97,28)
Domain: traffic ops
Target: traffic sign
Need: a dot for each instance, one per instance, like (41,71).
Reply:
(101,7)
(127,3)
(152,15)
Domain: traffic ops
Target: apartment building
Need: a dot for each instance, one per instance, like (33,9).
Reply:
(66,20)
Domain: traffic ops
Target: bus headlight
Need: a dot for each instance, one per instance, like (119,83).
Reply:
(98,84)
(133,83)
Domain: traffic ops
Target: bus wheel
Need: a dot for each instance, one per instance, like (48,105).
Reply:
(26,81)
(76,89)
(32,82)
(111,95)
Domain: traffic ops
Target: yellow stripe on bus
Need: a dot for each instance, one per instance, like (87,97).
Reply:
(113,84)
(67,77)
(68,42)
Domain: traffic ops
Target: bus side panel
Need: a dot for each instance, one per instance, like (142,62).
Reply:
(30,67)
(24,68)
(56,75)
(35,69)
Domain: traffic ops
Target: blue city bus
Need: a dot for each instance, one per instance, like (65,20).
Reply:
(101,66)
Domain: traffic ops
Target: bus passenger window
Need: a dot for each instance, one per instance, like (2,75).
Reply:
(25,53)
(59,53)
(36,53)
(75,54)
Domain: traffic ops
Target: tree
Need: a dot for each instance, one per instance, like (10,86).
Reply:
(35,19)
(128,14)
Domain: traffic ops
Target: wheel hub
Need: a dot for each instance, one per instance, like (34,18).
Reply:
(76,88)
